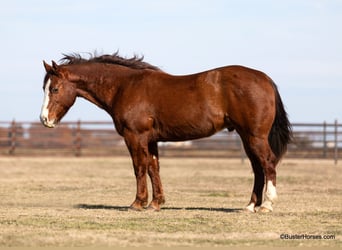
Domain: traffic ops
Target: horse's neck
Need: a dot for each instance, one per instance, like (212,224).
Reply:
(99,88)
(91,98)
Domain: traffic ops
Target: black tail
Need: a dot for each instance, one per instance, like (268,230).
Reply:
(281,132)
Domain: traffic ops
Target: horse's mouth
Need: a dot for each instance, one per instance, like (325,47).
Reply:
(47,123)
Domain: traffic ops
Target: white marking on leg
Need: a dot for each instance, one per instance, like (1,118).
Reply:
(270,195)
(271,192)
(251,207)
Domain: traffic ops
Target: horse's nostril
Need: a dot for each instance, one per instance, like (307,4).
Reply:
(43,119)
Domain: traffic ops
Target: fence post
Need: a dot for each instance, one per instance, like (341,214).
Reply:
(324,139)
(336,142)
(78,139)
(13,137)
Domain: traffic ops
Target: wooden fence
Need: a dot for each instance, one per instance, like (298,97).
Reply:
(98,138)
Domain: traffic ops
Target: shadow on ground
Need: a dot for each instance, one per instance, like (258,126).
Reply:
(126,208)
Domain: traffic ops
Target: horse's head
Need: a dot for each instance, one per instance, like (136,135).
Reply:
(59,94)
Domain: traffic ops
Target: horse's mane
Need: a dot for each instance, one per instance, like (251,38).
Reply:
(135,62)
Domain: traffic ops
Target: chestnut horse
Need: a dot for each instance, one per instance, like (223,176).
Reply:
(148,105)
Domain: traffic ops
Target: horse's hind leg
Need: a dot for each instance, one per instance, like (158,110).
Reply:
(262,154)
(259,180)
(153,171)
(268,162)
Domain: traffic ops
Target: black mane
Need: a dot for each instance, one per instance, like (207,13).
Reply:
(135,62)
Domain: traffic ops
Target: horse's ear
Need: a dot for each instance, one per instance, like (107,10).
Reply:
(47,67)
(51,69)
(54,65)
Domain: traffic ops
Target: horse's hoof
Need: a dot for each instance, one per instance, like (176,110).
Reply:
(136,209)
(248,210)
(154,206)
(264,210)
(153,209)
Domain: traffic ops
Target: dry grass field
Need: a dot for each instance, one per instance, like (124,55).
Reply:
(83,202)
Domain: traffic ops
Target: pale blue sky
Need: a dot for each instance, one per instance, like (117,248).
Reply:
(296,42)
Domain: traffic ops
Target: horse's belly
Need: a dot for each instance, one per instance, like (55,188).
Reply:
(184,131)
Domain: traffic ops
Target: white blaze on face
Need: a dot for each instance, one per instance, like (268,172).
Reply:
(44,115)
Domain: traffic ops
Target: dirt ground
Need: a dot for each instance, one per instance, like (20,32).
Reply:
(83,202)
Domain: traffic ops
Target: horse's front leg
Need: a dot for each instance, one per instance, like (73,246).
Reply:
(153,171)
(138,148)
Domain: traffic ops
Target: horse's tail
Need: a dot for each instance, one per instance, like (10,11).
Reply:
(281,132)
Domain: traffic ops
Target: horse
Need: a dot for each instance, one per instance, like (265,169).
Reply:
(148,106)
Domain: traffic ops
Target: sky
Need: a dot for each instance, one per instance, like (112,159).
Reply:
(298,43)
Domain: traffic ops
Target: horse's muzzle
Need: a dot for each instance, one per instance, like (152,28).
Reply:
(49,124)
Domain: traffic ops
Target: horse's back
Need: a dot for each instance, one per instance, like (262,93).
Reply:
(199,105)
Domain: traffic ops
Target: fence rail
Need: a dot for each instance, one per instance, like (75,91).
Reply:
(98,138)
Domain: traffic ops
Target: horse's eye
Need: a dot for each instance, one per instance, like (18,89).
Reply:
(54,90)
